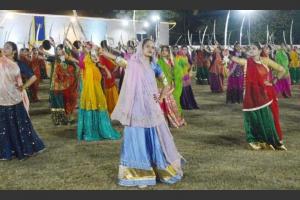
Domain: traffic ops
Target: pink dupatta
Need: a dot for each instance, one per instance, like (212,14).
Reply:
(136,106)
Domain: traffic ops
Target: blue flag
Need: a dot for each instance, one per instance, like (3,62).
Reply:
(39,20)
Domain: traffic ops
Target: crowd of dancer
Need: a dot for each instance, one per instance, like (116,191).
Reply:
(146,89)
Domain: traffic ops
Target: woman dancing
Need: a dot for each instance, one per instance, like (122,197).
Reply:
(127,55)
(187,99)
(93,119)
(17,135)
(294,65)
(271,92)
(63,87)
(148,151)
(37,64)
(216,72)
(169,106)
(235,79)
(283,86)
(202,70)
(110,87)
(259,125)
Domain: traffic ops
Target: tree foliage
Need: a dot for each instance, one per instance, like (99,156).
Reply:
(278,20)
(165,15)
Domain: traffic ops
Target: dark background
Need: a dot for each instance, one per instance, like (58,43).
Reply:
(195,20)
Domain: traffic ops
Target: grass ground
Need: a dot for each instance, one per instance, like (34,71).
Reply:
(213,143)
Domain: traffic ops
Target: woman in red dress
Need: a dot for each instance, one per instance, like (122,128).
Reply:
(110,87)
(63,86)
(36,63)
(271,92)
(258,98)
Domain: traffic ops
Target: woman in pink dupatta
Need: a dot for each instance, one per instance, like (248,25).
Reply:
(148,151)
(17,136)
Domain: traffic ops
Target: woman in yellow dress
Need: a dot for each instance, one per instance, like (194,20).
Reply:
(93,120)
(294,66)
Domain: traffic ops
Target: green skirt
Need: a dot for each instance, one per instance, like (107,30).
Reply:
(177,94)
(58,113)
(95,125)
(202,75)
(259,127)
(295,75)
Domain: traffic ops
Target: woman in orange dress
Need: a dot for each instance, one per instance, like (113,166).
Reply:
(109,82)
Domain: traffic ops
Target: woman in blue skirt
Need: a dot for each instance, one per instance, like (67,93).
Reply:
(148,151)
(17,136)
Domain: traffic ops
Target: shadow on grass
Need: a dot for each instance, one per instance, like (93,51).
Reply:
(292,120)
(288,105)
(67,132)
(225,141)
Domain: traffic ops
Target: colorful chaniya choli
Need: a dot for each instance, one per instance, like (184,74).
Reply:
(93,119)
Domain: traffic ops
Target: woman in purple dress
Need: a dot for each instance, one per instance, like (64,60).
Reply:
(183,61)
(283,86)
(216,72)
(235,79)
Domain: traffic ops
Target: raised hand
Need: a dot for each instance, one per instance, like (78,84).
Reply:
(95,59)
(51,39)
(109,76)
(225,53)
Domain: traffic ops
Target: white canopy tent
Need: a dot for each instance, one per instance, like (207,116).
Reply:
(14,26)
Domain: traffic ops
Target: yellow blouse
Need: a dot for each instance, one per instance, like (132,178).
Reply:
(294,59)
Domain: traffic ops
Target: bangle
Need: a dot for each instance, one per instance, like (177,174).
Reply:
(118,59)
(164,79)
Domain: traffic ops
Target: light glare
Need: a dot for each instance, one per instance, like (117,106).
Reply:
(9,15)
(73,19)
(246,12)
(125,22)
(155,18)
(146,24)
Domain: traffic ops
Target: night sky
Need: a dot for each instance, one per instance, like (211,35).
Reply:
(193,20)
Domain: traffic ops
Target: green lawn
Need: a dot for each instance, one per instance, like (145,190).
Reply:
(213,143)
